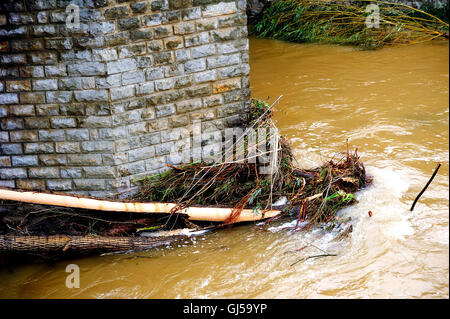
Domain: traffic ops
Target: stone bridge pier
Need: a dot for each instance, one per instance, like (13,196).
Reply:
(89,106)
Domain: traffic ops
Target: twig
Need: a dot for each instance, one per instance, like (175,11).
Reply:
(426,186)
(310,257)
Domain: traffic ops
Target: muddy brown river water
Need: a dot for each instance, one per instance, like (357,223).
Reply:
(393,105)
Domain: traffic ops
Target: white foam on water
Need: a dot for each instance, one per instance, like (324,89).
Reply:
(287,225)
(383,198)
(177,232)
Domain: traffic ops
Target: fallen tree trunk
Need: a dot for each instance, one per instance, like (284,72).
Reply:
(61,244)
(214,214)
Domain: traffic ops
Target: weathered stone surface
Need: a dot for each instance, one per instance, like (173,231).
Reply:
(146,34)
(53,160)
(32,97)
(139,7)
(9,98)
(133,77)
(59,97)
(171,17)
(128,23)
(47,109)
(86,68)
(104,54)
(165,110)
(12,173)
(132,50)
(196,39)
(23,136)
(5,161)
(191,13)
(173,43)
(122,92)
(206,76)
(141,153)
(77,134)
(195,65)
(91,109)
(36,123)
(51,135)
(59,185)
(75,172)
(152,19)
(166,84)
(116,12)
(99,171)
(119,66)
(12,124)
(85,159)
(67,147)
(223,60)
(11,148)
(97,146)
(43,172)
(219,9)
(91,95)
(25,160)
(45,85)
(55,70)
(162,32)
(184,28)
(43,57)
(30,148)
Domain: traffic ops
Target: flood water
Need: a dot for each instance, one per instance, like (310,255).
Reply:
(393,105)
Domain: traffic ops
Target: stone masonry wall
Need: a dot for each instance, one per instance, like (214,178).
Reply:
(90,110)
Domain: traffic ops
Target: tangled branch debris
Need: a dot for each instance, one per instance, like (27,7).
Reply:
(313,196)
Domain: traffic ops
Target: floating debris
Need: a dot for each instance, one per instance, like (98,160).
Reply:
(183,200)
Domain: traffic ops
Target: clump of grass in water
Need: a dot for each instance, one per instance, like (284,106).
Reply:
(337,22)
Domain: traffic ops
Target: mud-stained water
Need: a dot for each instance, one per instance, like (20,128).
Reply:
(393,105)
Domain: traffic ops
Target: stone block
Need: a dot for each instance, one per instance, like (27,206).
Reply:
(67,147)
(12,173)
(195,65)
(45,85)
(59,96)
(11,148)
(59,185)
(52,160)
(85,159)
(63,122)
(120,66)
(9,98)
(43,172)
(24,160)
(122,92)
(21,110)
(219,9)
(91,95)
(18,86)
(86,68)
(23,136)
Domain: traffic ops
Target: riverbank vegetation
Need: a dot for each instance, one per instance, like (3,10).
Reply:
(345,22)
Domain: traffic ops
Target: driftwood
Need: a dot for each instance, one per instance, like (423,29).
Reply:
(425,187)
(214,214)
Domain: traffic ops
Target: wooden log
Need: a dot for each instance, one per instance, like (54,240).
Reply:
(214,214)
